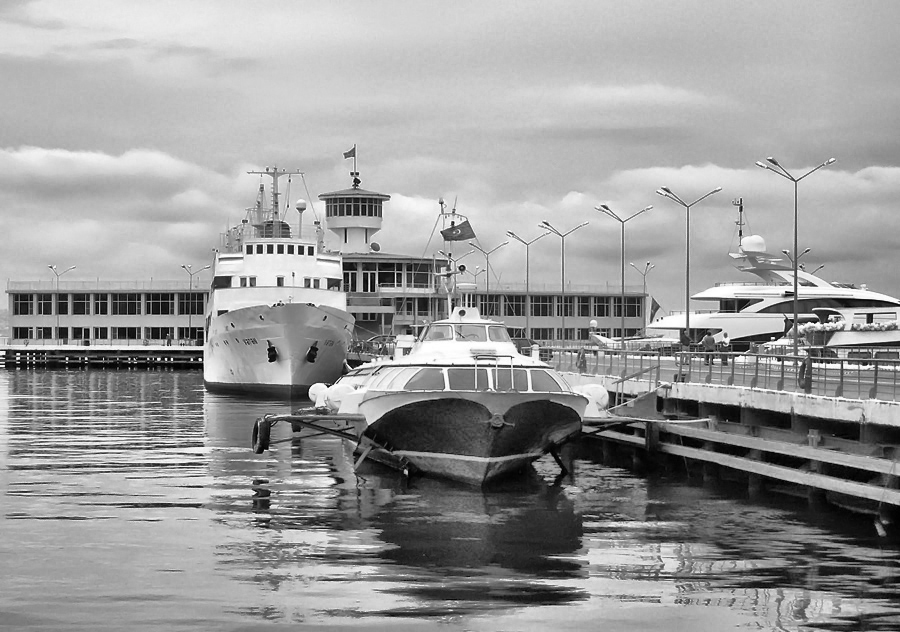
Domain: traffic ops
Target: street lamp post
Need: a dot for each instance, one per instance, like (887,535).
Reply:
(603,208)
(527,280)
(666,192)
(772,165)
(562,238)
(487,269)
(58,274)
(649,266)
(187,268)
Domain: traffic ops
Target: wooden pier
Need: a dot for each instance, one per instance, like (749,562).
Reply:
(102,356)
(828,432)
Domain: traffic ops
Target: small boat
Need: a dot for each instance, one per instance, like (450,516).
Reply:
(277,319)
(462,404)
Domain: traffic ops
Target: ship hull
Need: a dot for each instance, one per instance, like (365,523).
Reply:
(236,357)
(473,437)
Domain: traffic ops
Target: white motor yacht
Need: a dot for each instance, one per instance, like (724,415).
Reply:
(756,313)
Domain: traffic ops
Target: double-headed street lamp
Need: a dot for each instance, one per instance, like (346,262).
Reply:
(649,266)
(562,237)
(603,208)
(666,192)
(527,284)
(487,268)
(58,274)
(187,268)
(772,165)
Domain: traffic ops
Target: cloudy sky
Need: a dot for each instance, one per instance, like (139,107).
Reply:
(127,128)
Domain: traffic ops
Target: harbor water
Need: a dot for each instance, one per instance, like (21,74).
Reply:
(130,500)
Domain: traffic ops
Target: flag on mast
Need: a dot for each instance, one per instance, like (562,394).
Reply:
(654,307)
(458,232)
(350,153)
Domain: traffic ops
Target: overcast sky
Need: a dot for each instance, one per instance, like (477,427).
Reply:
(127,129)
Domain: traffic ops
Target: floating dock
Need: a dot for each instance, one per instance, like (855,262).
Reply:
(102,356)
(826,431)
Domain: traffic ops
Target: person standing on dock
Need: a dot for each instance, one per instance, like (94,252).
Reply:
(709,346)
(725,348)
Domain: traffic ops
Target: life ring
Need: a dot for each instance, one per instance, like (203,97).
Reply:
(262,430)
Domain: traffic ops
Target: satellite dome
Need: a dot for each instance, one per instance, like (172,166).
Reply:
(300,205)
(753,243)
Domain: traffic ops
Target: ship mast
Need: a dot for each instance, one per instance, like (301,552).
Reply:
(275,173)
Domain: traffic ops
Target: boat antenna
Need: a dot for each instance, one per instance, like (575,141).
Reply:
(739,202)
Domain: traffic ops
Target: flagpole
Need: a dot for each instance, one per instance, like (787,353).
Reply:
(354,158)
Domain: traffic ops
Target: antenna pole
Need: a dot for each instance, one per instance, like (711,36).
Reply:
(739,202)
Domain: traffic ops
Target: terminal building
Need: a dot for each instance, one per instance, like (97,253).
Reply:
(388,294)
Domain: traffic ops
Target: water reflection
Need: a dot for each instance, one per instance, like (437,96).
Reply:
(136,495)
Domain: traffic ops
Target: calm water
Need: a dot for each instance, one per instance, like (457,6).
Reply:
(130,500)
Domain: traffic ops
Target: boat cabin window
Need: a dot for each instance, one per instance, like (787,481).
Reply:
(426,380)
(438,332)
(471,333)
(468,379)
(221,281)
(542,381)
(734,305)
(498,333)
(510,379)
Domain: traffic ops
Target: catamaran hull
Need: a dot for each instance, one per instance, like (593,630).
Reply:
(236,357)
(472,437)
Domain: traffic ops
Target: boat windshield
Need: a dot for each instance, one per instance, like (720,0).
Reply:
(471,333)
(438,332)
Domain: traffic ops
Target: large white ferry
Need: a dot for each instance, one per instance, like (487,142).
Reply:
(277,317)
(755,313)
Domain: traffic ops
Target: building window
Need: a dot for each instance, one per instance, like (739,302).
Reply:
(101,333)
(62,333)
(333,284)
(81,333)
(367,317)
(601,307)
(62,304)
(126,304)
(191,303)
(44,304)
(584,306)
(101,305)
(43,333)
(515,306)
(160,333)
(567,303)
(161,303)
(22,305)
(81,304)
(542,306)
(542,334)
(21,333)
(279,281)
(634,306)
(126,333)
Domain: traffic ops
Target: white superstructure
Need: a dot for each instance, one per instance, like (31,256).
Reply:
(758,312)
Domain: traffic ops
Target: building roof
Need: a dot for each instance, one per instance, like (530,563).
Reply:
(354,192)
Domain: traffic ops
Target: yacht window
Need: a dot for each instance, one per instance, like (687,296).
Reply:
(252,281)
(290,249)
(249,250)
(542,381)
(467,379)
(259,249)
(510,379)
(397,379)
(471,333)
(281,249)
(310,251)
(279,281)
(243,281)
(426,380)
(270,249)
(439,332)
(498,334)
